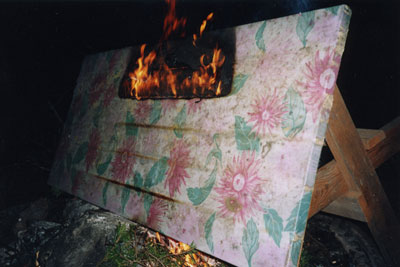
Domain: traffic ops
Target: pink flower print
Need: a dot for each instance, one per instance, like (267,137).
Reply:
(168,104)
(321,77)
(94,142)
(123,163)
(267,112)
(194,105)
(240,188)
(143,109)
(156,213)
(178,161)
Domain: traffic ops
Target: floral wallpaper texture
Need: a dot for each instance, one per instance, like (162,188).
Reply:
(234,175)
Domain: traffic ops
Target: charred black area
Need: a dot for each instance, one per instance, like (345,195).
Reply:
(183,58)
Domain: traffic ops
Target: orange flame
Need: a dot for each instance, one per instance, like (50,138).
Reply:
(146,81)
(171,22)
(202,28)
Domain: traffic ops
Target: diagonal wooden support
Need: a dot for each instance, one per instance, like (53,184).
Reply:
(360,176)
(330,186)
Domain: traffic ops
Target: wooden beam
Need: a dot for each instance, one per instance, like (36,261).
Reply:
(359,173)
(371,137)
(347,206)
(330,185)
(389,146)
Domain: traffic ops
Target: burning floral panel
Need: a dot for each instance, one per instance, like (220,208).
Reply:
(234,175)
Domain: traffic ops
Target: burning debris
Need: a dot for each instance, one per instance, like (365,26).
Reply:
(137,245)
(165,72)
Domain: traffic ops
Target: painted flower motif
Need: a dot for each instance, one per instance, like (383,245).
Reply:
(123,163)
(135,209)
(321,77)
(94,142)
(156,213)
(142,110)
(194,105)
(178,161)
(267,112)
(240,188)
(168,104)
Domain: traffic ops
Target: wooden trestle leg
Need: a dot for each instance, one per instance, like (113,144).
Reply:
(351,178)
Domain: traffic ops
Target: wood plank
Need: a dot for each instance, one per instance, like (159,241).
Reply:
(371,137)
(329,184)
(388,146)
(347,206)
(359,173)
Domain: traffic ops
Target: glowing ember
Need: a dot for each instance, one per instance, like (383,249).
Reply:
(191,256)
(154,78)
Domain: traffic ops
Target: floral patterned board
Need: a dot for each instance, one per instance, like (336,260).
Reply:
(234,175)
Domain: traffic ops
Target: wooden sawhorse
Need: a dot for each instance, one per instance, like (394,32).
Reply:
(349,186)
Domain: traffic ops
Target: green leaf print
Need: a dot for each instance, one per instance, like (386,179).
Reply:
(305,23)
(124,198)
(250,240)
(215,152)
(208,232)
(138,181)
(104,195)
(157,173)
(238,82)
(295,251)
(180,121)
(293,120)
(130,128)
(245,140)
(102,167)
(155,112)
(273,225)
(80,154)
(198,195)
(303,212)
(298,217)
(148,200)
(259,37)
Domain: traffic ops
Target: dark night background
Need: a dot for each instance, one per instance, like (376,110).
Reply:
(42,45)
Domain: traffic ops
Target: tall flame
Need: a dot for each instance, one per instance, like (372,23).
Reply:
(153,74)
(171,22)
(202,28)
